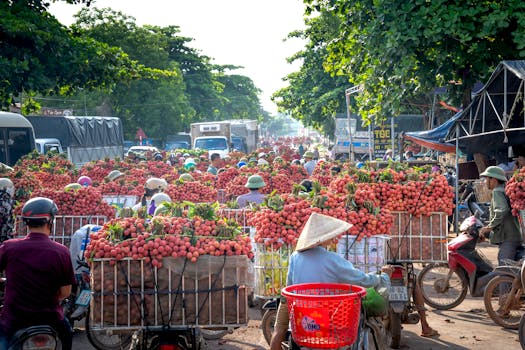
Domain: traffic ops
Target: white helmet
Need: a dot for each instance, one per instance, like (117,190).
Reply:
(160,198)
(154,183)
(7,185)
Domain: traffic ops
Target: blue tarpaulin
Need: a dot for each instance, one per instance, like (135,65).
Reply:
(435,138)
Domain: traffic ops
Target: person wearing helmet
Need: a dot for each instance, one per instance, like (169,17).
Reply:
(335,170)
(158,203)
(172,160)
(7,203)
(186,177)
(190,164)
(262,159)
(157,156)
(503,228)
(85,181)
(309,162)
(40,275)
(153,185)
(114,174)
(254,184)
(241,164)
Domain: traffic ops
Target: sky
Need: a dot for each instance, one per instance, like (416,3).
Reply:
(247,33)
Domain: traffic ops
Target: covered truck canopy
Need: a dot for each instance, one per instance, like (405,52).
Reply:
(75,131)
(495,119)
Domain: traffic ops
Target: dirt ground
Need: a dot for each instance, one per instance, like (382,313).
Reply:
(466,327)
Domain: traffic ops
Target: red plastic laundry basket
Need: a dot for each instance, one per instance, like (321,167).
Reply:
(324,315)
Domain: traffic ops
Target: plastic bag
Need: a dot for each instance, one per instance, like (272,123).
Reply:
(373,303)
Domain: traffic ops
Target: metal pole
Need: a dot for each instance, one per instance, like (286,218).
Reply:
(351,143)
(392,133)
(370,149)
(456,187)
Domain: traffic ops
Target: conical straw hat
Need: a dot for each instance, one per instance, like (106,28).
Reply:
(319,229)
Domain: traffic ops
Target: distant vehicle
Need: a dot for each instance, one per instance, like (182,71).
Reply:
(247,131)
(17,137)
(127,145)
(177,145)
(83,138)
(48,145)
(212,136)
(239,144)
(141,150)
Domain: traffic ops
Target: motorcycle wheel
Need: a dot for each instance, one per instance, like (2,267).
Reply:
(499,293)
(521,332)
(432,279)
(394,329)
(213,333)
(106,340)
(267,323)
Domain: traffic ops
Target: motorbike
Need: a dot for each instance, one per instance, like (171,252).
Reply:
(521,327)
(167,338)
(42,337)
(269,310)
(504,296)
(401,306)
(445,285)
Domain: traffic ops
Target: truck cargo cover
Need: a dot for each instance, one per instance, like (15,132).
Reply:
(75,131)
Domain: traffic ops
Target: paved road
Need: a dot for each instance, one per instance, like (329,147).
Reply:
(466,327)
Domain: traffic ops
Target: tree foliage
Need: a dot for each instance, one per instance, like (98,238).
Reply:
(396,50)
(167,105)
(38,54)
(313,96)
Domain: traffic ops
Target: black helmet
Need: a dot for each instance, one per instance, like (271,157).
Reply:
(39,210)
(157,156)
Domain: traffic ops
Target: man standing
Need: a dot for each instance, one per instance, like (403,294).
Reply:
(503,228)
(254,183)
(309,162)
(39,274)
(212,168)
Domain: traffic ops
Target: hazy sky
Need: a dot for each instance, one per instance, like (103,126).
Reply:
(246,33)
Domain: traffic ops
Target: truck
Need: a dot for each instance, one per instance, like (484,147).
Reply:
(85,138)
(245,134)
(215,137)
(360,139)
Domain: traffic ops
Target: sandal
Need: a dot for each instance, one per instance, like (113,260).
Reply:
(431,333)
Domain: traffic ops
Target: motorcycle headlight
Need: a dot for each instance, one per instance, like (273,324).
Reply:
(40,342)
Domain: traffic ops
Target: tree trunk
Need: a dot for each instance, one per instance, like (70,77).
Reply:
(482,161)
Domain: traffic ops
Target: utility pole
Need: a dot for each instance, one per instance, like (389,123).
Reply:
(351,128)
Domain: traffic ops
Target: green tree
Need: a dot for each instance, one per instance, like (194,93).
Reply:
(39,55)
(397,50)
(159,106)
(240,97)
(313,95)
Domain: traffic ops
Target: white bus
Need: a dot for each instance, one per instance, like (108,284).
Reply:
(17,137)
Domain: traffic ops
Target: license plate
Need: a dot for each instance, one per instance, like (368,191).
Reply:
(398,293)
(83,298)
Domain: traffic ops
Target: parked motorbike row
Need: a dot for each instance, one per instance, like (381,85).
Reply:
(445,286)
